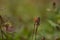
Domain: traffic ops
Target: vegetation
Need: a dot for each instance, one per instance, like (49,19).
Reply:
(17,20)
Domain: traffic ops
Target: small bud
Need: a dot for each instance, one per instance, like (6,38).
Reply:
(54,5)
(37,20)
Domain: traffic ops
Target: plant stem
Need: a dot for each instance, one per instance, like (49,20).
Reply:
(35,31)
(1,33)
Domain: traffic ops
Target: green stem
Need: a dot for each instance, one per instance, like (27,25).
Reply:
(35,31)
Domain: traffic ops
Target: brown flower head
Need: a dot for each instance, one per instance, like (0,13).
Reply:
(37,20)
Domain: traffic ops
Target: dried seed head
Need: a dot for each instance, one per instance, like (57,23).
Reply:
(54,4)
(37,20)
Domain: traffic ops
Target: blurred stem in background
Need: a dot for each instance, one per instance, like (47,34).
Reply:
(1,23)
(27,10)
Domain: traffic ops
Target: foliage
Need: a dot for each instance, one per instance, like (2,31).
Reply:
(21,13)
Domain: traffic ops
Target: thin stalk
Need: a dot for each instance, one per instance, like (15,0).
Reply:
(35,31)
(7,32)
(1,22)
(1,33)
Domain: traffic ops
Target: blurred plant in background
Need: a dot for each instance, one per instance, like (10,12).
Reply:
(18,16)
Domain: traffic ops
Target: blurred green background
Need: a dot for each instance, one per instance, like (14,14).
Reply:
(20,13)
